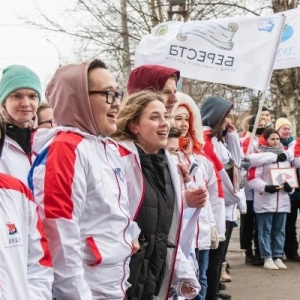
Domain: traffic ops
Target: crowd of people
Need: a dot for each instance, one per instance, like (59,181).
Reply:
(109,198)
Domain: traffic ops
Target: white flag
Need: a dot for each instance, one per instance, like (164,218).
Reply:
(236,51)
(288,53)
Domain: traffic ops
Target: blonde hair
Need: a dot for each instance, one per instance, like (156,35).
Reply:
(42,106)
(131,111)
(245,123)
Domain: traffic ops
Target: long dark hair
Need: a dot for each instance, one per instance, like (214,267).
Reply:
(217,130)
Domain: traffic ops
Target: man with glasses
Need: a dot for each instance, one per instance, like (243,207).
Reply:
(45,116)
(80,189)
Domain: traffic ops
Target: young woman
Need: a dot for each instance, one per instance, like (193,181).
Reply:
(248,226)
(271,202)
(187,119)
(20,95)
(155,200)
(223,147)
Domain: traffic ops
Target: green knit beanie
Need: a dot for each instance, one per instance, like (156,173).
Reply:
(17,77)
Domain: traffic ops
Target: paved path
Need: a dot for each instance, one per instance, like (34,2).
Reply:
(257,283)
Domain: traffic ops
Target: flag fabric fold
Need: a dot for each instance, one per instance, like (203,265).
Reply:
(288,53)
(235,51)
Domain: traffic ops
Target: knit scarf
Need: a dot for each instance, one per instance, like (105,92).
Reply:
(189,145)
(286,142)
(276,150)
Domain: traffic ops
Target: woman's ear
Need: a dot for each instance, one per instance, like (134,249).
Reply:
(133,128)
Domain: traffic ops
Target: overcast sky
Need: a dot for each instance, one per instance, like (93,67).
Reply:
(21,44)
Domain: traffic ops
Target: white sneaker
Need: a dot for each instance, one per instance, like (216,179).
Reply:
(270,265)
(278,262)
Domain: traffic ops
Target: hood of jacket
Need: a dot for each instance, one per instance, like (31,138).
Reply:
(262,141)
(67,94)
(150,77)
(213,109)
(195,125)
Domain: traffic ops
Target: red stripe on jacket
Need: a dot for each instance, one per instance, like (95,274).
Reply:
(12,183)
(251,173)
(46,260)
(59,175)
(297,148)
(95,251)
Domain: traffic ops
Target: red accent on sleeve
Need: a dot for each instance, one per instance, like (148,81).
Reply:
(245,145)
(12,183)
(93,247)
(46,260)
(59,175)
(251,173)
(297,148)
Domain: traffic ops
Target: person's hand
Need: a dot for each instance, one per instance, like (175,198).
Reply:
(281,157)
(287,188)
(231,128)
(184,170)
(196,197)
(214,238)
(245,163)
(272,189)
(187,289)
(135,246)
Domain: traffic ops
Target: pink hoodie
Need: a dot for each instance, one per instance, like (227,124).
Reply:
(67,94)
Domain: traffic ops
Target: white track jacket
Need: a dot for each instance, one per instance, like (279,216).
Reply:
(14,161)
(25,262)
(80,189)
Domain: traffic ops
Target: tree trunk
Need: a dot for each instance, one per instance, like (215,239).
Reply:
(125,37)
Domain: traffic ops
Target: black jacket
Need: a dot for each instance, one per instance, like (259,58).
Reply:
(154,219)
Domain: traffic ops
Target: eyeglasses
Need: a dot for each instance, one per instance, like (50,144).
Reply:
(51,122)
(111,96)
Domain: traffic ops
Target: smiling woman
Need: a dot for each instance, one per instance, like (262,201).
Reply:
(155,199)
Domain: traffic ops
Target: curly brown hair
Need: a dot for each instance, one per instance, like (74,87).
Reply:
(130,112)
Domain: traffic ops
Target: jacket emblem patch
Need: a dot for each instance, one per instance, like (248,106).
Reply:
(12,229)
(119,173)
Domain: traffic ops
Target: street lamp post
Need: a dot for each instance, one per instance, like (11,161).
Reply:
(57,50)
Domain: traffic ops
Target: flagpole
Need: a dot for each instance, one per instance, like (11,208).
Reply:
(261,104)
